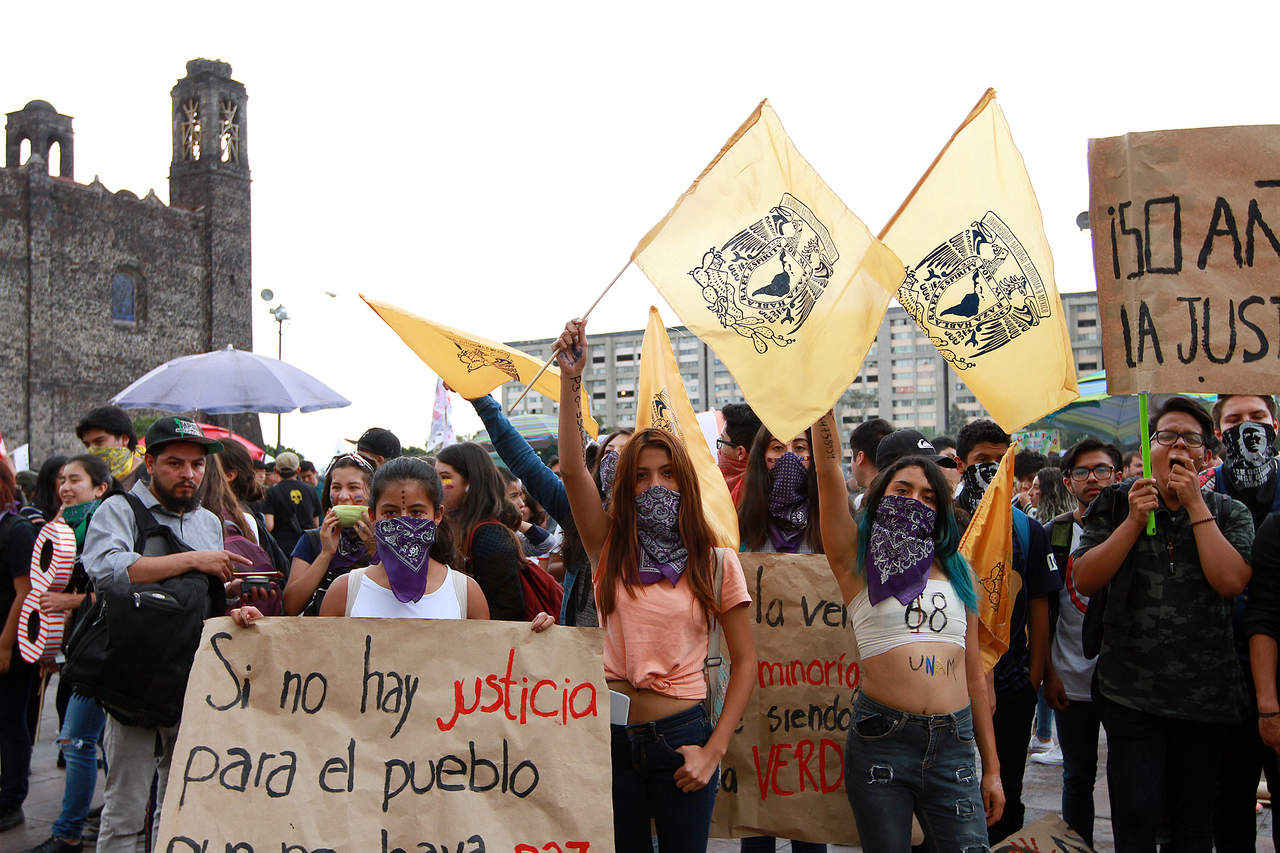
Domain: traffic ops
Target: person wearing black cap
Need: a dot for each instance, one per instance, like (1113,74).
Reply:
(378,445)
(175,459)
(908,442)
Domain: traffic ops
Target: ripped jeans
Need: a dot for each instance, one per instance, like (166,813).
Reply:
(898,764)
(81,731)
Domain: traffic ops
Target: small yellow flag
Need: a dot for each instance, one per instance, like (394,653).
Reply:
(764,263)
(663,402)
(988,546)
(979,278)
(471,365)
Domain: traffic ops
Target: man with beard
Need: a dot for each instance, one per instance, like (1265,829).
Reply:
(1088,467)
(1246,425)
(175,459)
(980,446)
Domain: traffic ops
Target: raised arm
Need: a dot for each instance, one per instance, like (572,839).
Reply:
(523,461)
(584,499)
(839,530)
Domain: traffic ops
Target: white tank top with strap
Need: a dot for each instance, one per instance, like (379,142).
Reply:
(367,600)
(937,615)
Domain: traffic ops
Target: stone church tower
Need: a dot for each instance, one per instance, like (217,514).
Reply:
(99,287)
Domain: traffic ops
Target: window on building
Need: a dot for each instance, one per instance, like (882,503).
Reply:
(1087,323)
(597,359)
(625,356)
(124,297)
(191,129)
(1087,365)
(623,395)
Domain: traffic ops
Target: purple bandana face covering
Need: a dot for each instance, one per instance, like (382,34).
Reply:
(662,554)
(608,470)
(404,548)
(788,508)
(350,549)
(901,549)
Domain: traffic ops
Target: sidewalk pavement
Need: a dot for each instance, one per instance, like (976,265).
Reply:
(1042,793)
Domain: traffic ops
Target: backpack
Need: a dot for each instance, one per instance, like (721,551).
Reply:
(1021,535)
(133,651)
(260,563)
(541,592)
(717,681)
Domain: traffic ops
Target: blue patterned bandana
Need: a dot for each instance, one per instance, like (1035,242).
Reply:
(662,553)
(900,552)
(404,549)
(608,471)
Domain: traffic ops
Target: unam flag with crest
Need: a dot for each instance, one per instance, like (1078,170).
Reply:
(764,263)
(661,401)
(471,365)
(979,279)
(988,547)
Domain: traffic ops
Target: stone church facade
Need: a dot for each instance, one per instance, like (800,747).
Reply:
(99,287)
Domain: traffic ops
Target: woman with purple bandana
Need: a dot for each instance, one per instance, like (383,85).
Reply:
(778,509)
(778,512)
(412,578)
(657,597)
(922,698)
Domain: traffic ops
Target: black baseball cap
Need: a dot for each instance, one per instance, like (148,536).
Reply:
(167,430)
(379,442)
(908,442)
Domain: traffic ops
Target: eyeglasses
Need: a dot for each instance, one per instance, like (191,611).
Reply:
(1169,437)
(1102,472)
(723,443)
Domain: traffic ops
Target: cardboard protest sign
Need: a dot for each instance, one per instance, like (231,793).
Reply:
(1187,258)
(358,735)
(1050,834)
(784,772)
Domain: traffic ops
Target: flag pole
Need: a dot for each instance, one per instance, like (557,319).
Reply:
(1143,404)
(554,350)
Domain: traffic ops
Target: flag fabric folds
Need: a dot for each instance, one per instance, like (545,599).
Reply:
(988,547)
(661,401)
(979,279)
(441,434)
(471,365)
(764,263)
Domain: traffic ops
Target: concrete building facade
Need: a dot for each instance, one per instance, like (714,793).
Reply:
(903,378)
(99,287)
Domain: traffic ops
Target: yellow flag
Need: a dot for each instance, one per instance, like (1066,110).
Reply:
(979,278)
(663,402)
(471,365)
(768,267)
(988,546)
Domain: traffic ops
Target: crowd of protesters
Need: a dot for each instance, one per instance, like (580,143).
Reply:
(1167,640)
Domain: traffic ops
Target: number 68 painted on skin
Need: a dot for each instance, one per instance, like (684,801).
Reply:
(552,847)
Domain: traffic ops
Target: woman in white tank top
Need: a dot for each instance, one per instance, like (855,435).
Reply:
(922,702)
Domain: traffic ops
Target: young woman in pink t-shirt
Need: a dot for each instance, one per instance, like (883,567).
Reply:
(654,564)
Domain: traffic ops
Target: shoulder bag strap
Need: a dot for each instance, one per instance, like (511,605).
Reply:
(713,638)
(355,578)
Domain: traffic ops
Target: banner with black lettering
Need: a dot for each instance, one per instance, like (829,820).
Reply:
(391,736)
(784,772)
(1187,258)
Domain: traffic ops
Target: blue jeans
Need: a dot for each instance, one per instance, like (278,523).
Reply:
(898,764)
(81,731)
(1044,717)
(644,764)
(765,844)
(1078,736)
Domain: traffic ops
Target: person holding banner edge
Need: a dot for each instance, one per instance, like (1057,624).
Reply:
(1167,677)
(655,578)
(921,702)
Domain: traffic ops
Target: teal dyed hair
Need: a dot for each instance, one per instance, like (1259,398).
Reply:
(946,532)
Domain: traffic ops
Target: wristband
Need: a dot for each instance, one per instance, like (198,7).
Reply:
(1266,715)
(1202,521)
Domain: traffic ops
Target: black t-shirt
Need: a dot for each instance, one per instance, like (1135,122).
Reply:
(17,537)
(295,507)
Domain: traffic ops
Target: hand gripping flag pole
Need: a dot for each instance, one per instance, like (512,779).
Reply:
(555,350)
(1146,452)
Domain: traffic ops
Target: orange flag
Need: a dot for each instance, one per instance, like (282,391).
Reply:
(988,547)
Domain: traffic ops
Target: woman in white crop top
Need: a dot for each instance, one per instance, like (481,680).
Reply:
(922,696)
(654,569)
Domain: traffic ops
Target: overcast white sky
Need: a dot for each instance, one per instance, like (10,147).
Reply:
(491,165)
